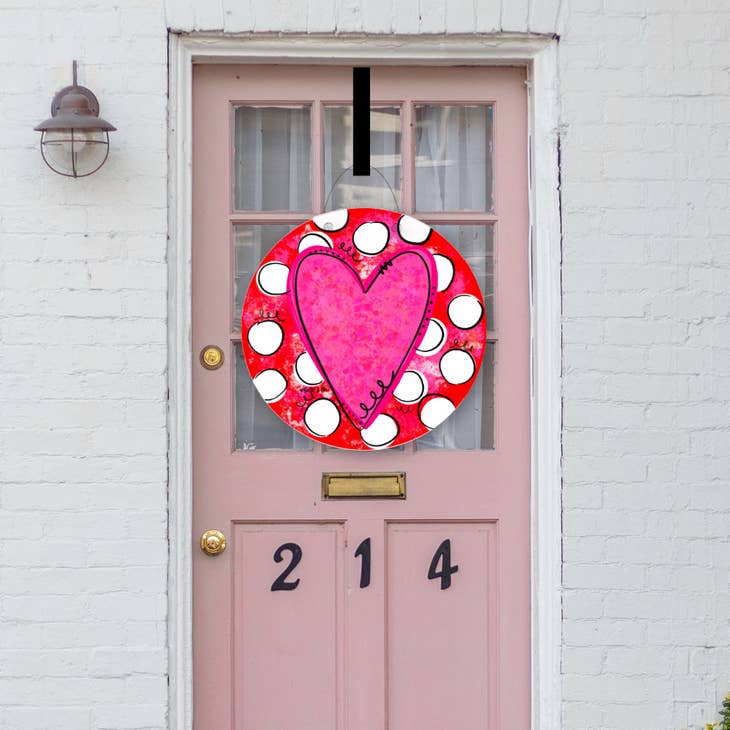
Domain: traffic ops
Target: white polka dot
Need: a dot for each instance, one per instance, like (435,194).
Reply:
(371,238)
(381,432)
(465,311)
(411,388)
(334,220)
(265,337)
(306,370)
(445,271)
(322,417)
(435,410)
(271,385)
(457,367)
(314,239)
(273,278)
(412,230)
(433,339)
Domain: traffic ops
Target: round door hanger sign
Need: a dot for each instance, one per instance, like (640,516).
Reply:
(363,328)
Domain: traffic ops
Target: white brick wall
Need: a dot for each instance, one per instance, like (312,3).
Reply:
(83,281)
(645,128)
(360,16)
(645,95)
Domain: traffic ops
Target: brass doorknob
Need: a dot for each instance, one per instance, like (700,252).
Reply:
(213,542)
(211,357)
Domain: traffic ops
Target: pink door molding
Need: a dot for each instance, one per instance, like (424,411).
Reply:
(406,651)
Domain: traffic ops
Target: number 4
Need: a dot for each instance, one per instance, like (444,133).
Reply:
(442,555)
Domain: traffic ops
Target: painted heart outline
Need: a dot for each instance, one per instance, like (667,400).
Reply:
(362,333)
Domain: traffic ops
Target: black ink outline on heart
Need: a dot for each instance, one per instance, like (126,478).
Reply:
(426,258)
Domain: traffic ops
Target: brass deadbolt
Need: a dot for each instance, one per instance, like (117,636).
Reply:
(213,542)
(211,357)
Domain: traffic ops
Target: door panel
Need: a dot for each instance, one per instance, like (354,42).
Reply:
(400,651)
(441,643)
(287,617)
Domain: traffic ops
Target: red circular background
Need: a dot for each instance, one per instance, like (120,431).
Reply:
(285,377)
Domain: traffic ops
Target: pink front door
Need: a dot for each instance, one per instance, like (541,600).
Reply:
(360,614)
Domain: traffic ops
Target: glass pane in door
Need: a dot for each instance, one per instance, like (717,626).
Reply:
(453,146)
(250,244)
(256,425)
(472,425)
(476,244)
(380,189)
(272,167)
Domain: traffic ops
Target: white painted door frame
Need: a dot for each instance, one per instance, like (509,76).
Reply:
(539,55)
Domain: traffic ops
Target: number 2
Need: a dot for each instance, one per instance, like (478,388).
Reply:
(442,555)
(281,584)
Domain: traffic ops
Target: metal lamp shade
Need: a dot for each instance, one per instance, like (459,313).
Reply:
(75,140)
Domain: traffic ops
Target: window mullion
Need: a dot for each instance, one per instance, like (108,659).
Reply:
(408,170)
(317,157)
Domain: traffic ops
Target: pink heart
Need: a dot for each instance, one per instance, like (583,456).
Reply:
(362,334)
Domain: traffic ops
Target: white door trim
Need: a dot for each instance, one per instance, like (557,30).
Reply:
(539,55)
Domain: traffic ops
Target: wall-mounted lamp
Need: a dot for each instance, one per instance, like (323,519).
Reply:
(75,140)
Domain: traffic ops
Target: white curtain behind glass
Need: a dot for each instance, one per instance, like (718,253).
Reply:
(272,162)
(380,189)
(453,158)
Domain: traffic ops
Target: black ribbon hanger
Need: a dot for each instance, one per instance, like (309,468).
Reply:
(361,120)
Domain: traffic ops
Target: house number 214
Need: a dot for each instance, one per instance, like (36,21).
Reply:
(440,567)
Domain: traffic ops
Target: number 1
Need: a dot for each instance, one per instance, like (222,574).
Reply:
(363,551)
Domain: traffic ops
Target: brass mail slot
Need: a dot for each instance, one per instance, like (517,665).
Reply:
(359,485)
